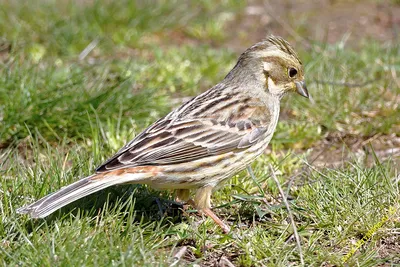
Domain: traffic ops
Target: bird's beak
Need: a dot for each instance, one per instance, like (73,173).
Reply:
(302,89)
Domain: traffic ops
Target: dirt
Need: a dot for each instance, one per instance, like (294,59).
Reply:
(335,150)
(322,21)
(388,248)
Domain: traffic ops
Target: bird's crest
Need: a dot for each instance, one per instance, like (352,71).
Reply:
(282,45)
(273,45)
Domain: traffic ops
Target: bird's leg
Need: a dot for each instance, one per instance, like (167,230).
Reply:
(182,195)
(203,204)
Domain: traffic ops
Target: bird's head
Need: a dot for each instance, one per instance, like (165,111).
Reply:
(275,63)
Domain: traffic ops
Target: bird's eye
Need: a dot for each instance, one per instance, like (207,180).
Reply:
(292,72)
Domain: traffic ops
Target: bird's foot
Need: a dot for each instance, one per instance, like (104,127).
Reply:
(225,228)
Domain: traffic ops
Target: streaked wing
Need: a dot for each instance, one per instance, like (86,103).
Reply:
(171,142)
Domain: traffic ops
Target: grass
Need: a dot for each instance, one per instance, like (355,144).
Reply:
(61,115)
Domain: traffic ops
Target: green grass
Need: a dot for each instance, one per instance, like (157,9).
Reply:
(60,100)
(61,116)
(354,93)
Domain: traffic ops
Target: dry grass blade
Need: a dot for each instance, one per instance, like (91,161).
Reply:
(88,49)
(181,252)
(296,235)
(224,262)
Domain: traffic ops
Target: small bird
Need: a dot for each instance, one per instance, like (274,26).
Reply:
(206,140)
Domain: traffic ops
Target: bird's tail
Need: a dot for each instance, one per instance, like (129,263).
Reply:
(81,188)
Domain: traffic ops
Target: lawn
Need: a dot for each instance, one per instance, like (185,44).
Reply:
(80,79)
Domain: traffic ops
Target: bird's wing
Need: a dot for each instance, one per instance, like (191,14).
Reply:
(170,142)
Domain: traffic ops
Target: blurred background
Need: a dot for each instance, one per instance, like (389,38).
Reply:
(111,56)
(78,79)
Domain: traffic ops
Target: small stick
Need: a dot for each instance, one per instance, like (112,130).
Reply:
(88,49)
(181,252)
(225,262)
(296,235)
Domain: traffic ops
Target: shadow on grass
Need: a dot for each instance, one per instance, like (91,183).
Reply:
(125,201)
(140,204)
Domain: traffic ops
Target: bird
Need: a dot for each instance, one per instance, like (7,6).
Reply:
(204,141)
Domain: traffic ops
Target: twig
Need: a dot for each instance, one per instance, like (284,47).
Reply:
(88,49)
(369,140)
(296,235)
(181,252)
(225,262)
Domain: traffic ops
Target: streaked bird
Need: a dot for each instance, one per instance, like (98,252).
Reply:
(206,140)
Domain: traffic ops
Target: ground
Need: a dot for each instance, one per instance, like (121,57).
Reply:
(79,79)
